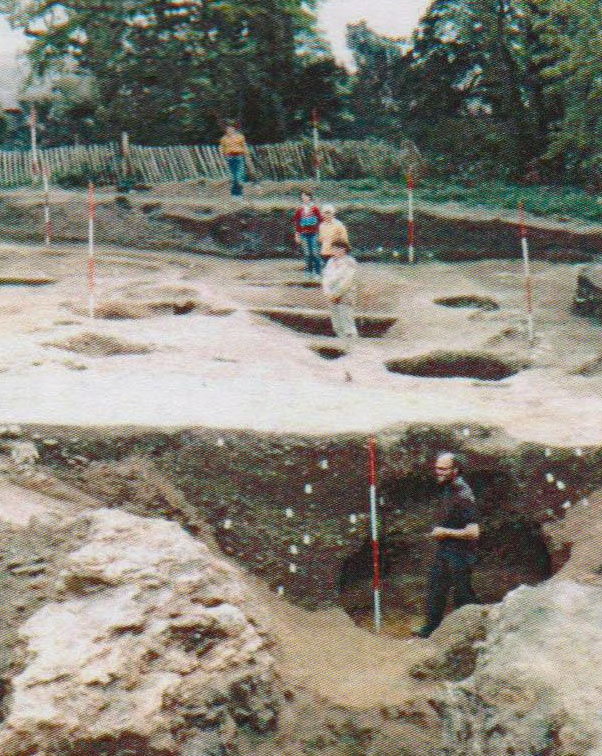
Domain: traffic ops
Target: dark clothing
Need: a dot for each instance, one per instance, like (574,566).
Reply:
(452,566)
(456,510)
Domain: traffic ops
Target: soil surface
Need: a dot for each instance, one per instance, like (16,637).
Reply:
(183,340)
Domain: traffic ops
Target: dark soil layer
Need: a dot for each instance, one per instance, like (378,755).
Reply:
(319,324)
(25,282)
(268,234)
(258,233)
(328,353)
(455,365)
(273,501)
(469,300)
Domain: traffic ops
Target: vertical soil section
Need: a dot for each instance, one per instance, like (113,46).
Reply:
(294,510)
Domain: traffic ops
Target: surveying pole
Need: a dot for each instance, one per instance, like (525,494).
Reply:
(33,135)
(410,188)
(374,535)
(527,269)
(91,276)
(316,143)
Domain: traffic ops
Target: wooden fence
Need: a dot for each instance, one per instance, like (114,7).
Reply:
(103,164)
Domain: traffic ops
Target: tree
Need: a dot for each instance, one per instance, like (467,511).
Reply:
(169,70)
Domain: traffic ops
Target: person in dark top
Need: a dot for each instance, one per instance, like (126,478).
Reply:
(456,531)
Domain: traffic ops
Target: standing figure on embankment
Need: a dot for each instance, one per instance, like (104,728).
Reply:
(233,146)
(306,220)
(339,284)
(331,230)
(456,532)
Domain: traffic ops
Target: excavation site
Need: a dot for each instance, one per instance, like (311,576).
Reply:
(188,461)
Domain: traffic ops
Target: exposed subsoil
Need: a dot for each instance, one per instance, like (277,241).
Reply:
(239,428)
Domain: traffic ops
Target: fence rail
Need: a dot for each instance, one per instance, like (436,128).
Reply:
(104,164)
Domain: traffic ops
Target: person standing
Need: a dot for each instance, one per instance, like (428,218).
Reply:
(306,221)
(456,531)
(339,284)
(331,230)
(233,147)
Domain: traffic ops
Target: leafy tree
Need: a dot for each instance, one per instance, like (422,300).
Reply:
(169,70)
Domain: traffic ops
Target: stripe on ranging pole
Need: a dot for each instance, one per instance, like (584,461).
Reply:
(527,268)
(374,535)
(91,277)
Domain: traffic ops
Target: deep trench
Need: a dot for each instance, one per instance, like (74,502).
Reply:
(511,551)
(251,481)
(319,324)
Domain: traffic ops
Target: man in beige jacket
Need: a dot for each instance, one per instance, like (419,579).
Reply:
(339,284)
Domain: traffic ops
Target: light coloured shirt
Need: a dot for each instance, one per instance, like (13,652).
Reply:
(329,232)
(339,279)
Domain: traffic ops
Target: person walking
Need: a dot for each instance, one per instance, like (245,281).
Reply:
(233,147)
(456,531)
(306,221)
(331,230)
(339,284)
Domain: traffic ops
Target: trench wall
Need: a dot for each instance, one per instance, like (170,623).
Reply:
(273,501)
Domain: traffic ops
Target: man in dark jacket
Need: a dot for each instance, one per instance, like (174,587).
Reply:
(456,531)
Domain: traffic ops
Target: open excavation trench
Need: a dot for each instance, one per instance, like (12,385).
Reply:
(294,510)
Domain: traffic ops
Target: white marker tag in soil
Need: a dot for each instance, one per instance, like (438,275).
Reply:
(288,512)
(566,505)
(220,442)
(293,550)
(308,488)
(560,485)
(548,452)
(550,478)
(307,539)
(578,452)
(292,568)
(352,519)
(227,524)
(324,464)
(280,590)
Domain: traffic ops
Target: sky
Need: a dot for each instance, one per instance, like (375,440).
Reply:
(395,18)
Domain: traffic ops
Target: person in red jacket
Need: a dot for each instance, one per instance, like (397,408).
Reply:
(306,220)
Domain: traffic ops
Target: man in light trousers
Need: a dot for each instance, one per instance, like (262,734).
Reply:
(339,284)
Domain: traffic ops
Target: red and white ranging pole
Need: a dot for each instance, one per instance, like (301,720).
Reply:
(316,143)
(410,187)
(91,281)
(47,221)
(527,269)
(374,535)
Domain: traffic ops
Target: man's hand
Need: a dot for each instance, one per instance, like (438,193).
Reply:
(438,533)
(469,533)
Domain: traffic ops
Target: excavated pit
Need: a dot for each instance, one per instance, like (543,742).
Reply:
(273,501)
(328,352)
(511,552)
(17,281)
(469,300)
(482,367)
(319,324)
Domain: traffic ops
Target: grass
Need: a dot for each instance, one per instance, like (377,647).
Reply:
(557,202)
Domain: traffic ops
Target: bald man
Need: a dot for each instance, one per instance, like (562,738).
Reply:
(456,531)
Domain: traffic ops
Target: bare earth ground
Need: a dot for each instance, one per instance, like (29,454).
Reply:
(179,341)
(221,364)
